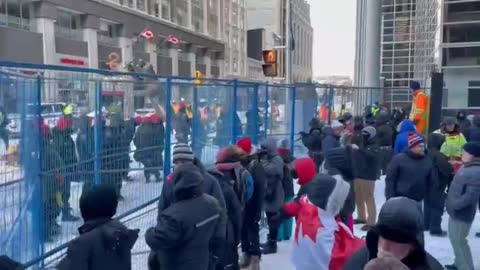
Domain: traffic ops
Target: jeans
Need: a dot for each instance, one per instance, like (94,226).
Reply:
(433,211)
(365,200)
(458,232)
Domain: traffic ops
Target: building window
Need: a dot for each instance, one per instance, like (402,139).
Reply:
(197,15)
(108,33)
(68,25)
(181,13)
(474,94)
(141,5)
(15,13)
(166,4)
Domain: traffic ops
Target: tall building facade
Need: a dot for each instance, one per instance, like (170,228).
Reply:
(272,16)
(86,33)
(460,54)
(235,38)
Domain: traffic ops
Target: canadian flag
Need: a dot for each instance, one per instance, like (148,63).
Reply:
(173,39)
(147,34)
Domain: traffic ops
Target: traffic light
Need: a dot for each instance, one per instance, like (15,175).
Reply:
(270,68)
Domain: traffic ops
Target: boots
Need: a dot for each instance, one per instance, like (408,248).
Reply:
(255,263)
(245,260)
(270,248)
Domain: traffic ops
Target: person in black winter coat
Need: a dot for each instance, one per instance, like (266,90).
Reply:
(384,139)
(104,243)
(65,147)
(274,194)
(434,203)
(190,233)
(3,128)
(85,142)
(410,174)
(113,155)
(398,234)
(332,135)
(357,136)
(367,171)
(463,122)
(472,134)
(181,124)
(313,141)
(340,165)
(150,143)
(253,210)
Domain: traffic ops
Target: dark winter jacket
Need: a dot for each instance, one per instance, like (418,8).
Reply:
(52,172)
(329,141)
(233,208)
(464,193)
(255,167)
(64,144)
(210,183)
(463,122)
(273,165)
(313,140)
(192,229)
(150,142)
(287,181)
(401,216)
(442,169)
(409,176)
(181,125)
(472,134)
(103,244)
(401,143)
(367,163)
(384,135)
(358,125)
(340,163)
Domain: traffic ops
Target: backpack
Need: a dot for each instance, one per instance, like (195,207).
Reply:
(242,185)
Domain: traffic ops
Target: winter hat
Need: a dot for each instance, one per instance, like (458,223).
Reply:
(284,144)
(306,170)
(388,263)
(414,140)
(473,148)
(401,220)
(329,193)
(228,155)
(246,145)
(154,118)
(369,131)
(182,151)
(414,85)
(99,202)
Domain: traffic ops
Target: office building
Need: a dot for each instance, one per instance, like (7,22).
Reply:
(271,15)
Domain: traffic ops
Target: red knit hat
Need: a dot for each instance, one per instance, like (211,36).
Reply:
(306,170)
(245,144)
(414,140)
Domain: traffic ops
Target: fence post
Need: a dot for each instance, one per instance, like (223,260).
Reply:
(234,112)
(331,97)
(255,115)
(98,133)
(196,121)
(292,120)
(267,97)
(168,129)
(37,186)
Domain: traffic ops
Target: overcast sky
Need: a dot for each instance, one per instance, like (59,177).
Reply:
(333,24)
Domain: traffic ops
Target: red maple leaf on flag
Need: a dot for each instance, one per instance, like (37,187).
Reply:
(173,39)
(147,34)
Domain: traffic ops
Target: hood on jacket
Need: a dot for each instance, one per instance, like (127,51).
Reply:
(329,193)
(400,220)
(435,141)
(382,118)
(188,182)
(306,170)
(449,121)
(270,145)
(100,202)
(407,126)
(340,161)
(461,115)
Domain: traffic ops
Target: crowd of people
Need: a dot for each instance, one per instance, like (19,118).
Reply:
(205,215)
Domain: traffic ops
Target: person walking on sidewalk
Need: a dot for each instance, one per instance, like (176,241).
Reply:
(462,200)
(434,203)
(367,171)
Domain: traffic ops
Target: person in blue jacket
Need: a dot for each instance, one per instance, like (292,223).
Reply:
(407,127)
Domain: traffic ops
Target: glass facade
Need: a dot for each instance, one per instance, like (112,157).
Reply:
(16,14)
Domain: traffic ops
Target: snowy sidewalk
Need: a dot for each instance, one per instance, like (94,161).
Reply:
(440,248)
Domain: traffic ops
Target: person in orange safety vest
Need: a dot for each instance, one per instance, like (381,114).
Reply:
(419,112)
